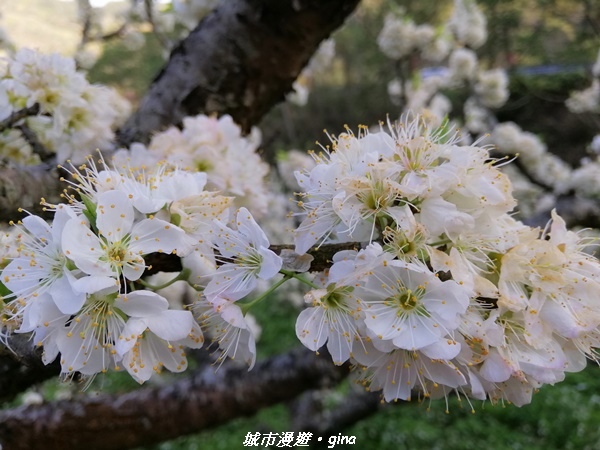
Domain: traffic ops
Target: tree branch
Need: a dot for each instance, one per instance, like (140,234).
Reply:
(21,367)
(36,146)
(150,415)
(241,60)
(16,116)
(24,186)
(322,257)
(355,407)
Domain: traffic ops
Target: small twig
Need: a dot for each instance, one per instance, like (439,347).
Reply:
(114,34)
(162,39)
(86,11)
(86,37)
(21,114)
(37,147)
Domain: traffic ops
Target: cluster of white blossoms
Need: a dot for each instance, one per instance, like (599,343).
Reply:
(400,37)
(423,91)
(74,118)
(585,181)
(588,99)
(442,289)
(451,291)
(78,283)
(468,24)
(541,166)
(492,87)
(212,145)
(317,66)
(488,89)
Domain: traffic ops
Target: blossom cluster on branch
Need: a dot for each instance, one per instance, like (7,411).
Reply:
(75,283)
(49,108)
(445,290)
(452,292)
(210,145)
(451,47)
(540,178)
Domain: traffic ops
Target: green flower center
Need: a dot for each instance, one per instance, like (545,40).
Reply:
(408,301)
(335,297)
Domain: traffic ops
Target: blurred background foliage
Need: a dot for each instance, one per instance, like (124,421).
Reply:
(562,36)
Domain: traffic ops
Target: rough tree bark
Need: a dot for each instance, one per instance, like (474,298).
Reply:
(22,367)
(23,187)
(241,60)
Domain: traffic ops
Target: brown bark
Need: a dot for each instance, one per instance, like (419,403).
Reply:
(322,257)
(150,415)
(19,115)
(21,367)
(355,407)
(23,187)
(241,60)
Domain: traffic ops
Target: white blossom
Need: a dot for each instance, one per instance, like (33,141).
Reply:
(227,327)
(492,87)
(463,64)
(118,248)
(154,336)
(246,257)
(468,24)
(333,317)
(408,305)
(397,38)
(75,118)
(586,100)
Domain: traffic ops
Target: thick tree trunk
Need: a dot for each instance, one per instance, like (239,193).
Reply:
(150,415)
(241,60)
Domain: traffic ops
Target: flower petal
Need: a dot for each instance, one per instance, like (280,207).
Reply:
(171,325)
(249,228)
(311,328)
(129,336)
(114,215)
(155,235)
(141,304)
(84,248)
